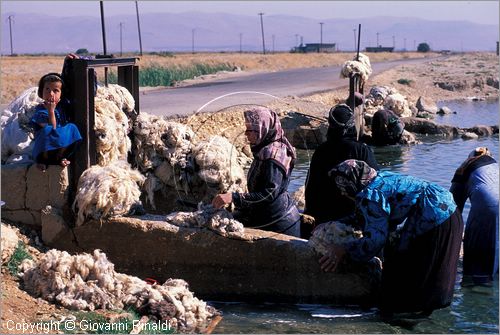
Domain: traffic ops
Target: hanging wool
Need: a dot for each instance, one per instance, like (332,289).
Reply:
(111,129)
(89,282)
(361,67)
(333,232)
(107,191)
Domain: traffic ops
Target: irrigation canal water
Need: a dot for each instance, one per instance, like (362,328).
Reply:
(473,310)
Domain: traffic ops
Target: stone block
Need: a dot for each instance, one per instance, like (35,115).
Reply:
(48,187)
(53,225)
(14,185)
(23,216)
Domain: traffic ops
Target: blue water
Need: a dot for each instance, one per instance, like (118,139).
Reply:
(474,310)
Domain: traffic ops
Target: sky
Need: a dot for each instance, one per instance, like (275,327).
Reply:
(486,12)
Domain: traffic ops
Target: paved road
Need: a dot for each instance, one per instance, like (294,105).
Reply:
(181,101)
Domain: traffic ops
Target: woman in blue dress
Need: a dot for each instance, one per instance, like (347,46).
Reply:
(55,138)
(414,223)
(477,180)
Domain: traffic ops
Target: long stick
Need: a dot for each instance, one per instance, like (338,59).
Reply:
(104,41)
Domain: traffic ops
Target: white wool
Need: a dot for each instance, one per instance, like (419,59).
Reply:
(117,94)
(157,140)
(92,283)
(219,220)
(333,232)
(398,104)
(111,129)
(25,104)
(361,67)
(217,160)
(107,191)
(9,241)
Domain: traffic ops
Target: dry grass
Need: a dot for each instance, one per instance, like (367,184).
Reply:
(21,72)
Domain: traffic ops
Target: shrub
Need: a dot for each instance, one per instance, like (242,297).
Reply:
(82,51)
(19,255)
(423,47)
(404,81)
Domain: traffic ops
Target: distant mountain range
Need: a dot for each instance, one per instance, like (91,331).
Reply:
(34,33)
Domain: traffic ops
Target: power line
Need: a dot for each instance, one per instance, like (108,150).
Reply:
(121,39)
(320,36)
(192,40)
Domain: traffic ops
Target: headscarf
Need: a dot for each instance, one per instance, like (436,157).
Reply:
(341,122)
(352,175)
(271,141)
(478,157)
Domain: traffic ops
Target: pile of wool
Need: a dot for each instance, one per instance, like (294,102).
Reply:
(9,241)
(111,129)
(381,97)
(217,167)
(333,232)
(398,104)
(105,191)
(119,95)
(157,140)
(361,67)
(218,220)
(89,282)
(17,135)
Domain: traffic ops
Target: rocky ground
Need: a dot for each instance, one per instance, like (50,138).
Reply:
(458,77)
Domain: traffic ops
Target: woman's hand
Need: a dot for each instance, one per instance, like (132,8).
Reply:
(330,261)
(222,199)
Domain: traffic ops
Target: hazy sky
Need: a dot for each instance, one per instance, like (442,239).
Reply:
(486,12)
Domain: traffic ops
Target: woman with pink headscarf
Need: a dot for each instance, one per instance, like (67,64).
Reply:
(267,205)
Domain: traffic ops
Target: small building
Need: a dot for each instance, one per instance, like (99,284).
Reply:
(315,47)
(379,49)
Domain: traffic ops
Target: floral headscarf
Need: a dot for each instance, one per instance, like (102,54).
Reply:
(351,176)
(271,141)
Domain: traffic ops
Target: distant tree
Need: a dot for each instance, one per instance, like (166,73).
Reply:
(423,47)
(82,51)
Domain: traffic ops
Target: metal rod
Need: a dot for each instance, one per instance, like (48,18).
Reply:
(359,39)
(104,41)
(138,26)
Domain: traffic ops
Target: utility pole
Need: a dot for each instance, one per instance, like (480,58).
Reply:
(320,37)
(394,42)
(404,43)
(377,40)
(241,38)
(121,40)
(10,32)
(354,30)
(262,28)
(414,44)
(273,43)
(192,40)
(296,39)
(138,26)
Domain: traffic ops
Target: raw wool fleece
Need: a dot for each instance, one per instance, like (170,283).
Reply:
(361,67)
(9,241)
(381,97)
(216,161)
(333,232)
(175,164)
(89,282)
(111,129)
(105,191)
(17,136)
(218,220)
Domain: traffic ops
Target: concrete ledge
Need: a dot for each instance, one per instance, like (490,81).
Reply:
(259,266)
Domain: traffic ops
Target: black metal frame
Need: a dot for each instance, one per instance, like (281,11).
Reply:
(82,99)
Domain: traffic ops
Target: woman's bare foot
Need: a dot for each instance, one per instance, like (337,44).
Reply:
(65,162)
(41,167)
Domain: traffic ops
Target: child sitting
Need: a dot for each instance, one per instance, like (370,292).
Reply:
(55,138)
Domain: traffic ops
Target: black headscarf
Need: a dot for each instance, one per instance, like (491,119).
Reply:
(341,123)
